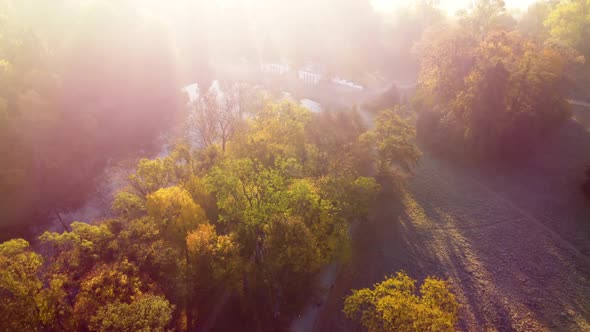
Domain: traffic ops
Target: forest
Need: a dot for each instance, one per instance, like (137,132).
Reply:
(228,208)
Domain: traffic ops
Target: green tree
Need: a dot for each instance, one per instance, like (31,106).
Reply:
(393,305)
(292,257)
(569,23)
(277,131)
(151,175)
(392,141)
(76,252)
(129,205)
(20,286)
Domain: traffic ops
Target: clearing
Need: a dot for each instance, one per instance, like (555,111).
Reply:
(514,241)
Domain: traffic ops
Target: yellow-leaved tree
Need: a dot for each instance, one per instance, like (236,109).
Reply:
(394,305)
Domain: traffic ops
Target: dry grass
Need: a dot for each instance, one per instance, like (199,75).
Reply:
(514,241)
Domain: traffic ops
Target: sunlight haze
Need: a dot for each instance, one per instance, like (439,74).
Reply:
(294,165)
(450,6)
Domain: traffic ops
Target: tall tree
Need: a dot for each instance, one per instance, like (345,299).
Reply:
(392,140)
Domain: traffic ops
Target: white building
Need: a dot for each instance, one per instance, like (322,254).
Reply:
(310,74)
(311,105)
(345,83)
(274,68)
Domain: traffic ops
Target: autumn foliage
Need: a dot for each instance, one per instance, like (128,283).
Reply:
(494,96)
(397,305)
(258,220)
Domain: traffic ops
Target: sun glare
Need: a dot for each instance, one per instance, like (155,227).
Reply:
(450,6)
(261,165)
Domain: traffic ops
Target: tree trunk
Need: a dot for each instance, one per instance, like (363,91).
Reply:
(63,224)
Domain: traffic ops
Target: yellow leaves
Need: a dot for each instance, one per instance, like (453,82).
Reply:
(175,209)
(569,21)
(105,284)
(205,241)
(19,267)
(19,282)
(51,301)
(277,131)
(392,305)
(213,257)
(146,313)
(202,240)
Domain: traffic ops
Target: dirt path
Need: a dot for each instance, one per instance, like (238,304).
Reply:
(515,244)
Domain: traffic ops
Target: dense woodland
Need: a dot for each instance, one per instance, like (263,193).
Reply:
(489,91)
(261,218)
(257,194)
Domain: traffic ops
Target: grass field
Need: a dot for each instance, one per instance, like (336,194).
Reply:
(513,241)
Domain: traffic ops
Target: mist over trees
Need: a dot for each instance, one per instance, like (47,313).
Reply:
(256,195)
(260,220)
(73,100)
(85,84)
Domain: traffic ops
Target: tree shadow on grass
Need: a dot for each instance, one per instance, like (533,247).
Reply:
(507,272)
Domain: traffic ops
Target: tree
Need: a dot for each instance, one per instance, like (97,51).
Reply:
(500,97)
(60,86)
(485,16)
(213,257)
(214,266)
(292,258)
(175,209)
(277,131)
(532,22)
(393,305)
(151,175)
(33,299)
(105,284)
(129,205)
(332,144)
(217,113)
(203,125)
(235,101)
(20,286)
(569,23)
(146,313)
(77,251)
(392,143)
